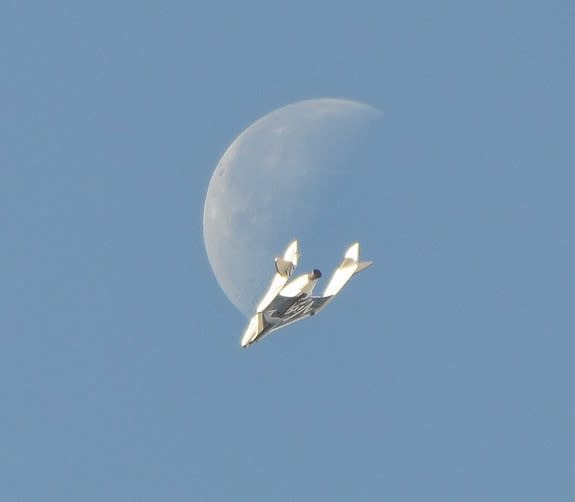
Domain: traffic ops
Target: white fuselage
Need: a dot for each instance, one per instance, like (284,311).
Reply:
(288,297)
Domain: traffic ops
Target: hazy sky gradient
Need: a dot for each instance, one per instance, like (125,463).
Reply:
(444,373)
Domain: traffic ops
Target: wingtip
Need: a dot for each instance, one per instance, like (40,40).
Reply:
(363,265)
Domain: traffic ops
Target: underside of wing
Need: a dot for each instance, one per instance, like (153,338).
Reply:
(283,310)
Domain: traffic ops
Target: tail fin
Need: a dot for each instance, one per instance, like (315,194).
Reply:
(352,254)
(286,264)
(348,267)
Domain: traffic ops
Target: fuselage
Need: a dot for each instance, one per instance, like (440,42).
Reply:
(288,306)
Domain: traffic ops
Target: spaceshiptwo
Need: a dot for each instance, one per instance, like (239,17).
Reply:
(287,302)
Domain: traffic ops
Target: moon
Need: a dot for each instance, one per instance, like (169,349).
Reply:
(277,181)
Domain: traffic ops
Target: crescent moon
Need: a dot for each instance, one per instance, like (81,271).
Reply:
(264,189)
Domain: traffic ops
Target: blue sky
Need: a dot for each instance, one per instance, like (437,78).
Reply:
(444,373)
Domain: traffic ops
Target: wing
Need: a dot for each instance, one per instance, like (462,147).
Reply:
(285,310)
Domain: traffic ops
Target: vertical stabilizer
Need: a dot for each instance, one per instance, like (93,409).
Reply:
(285,265)
(348,267)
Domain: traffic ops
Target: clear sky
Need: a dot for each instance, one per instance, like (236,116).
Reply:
(444,373)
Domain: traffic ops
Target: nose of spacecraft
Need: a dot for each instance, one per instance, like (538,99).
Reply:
(248,338)
(316,274)
(250,333)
